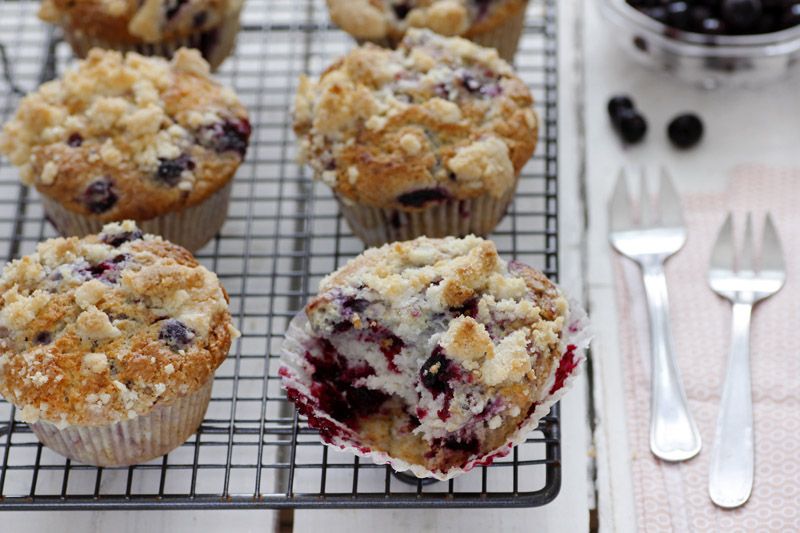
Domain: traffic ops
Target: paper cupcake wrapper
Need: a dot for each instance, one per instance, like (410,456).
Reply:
(376,226)
(223,37)
(504,38)
(131,441)
(191,228)
(297,382)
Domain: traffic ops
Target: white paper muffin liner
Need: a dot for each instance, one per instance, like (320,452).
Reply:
(376,226)
(131,441)
(296,380)
(504,38)
(224,34)
(191,228)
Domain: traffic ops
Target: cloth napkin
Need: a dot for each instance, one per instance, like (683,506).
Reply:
(674,497)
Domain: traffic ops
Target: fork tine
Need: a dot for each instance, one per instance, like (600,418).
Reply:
(771,250)
(646,215)
(619,207)
(723,254)
(669,203)
(748,252)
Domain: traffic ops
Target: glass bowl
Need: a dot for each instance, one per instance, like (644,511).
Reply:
(710,61)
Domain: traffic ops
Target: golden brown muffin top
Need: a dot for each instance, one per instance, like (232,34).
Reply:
(104,328)
(436,119)
(390,19)
(129,136)
(132,21)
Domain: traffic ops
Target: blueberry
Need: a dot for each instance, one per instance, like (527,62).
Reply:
(470,83)
(434,372)
(229,136)
(43,337)
(99,196)
(175,334)
(355,305)
(685,130)
(401,10)
(422,197)
(741,15)
(631,125)
(118,239)
(678,14)
(617,103)
(173,9)
(199,19)
(107,270)
(791,16)
(713,26)
(698,15)
(170,170)
(75,140)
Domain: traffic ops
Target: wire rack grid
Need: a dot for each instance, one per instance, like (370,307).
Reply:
(283,234)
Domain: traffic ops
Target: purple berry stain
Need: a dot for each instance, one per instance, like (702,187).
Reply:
(75,140)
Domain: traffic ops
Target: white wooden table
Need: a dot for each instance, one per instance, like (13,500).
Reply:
(741,126)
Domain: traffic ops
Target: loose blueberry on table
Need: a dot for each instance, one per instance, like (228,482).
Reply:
(629,123)
(685,130)
(723,17)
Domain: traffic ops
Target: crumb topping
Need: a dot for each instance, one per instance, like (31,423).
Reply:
(436,119)
(390,19)
(112,324)
(137,20)
(129,136)
(446,327)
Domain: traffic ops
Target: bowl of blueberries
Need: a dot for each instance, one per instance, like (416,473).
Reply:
(711,43)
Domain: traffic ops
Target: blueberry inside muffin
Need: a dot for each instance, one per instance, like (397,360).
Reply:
(433,351)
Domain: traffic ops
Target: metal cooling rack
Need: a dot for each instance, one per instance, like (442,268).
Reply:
(283,234)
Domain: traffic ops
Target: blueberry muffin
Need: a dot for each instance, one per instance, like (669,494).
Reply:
(108,344)
(494,23)
(428,139)
(432,354)
(131,137)
(150,27)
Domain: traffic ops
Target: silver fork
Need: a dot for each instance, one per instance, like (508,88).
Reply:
(649,237)
(745,283)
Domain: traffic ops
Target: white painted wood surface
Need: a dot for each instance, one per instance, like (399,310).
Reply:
(742,126)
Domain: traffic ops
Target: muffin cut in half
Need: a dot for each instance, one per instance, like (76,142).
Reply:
(433,355)
(428,139)
(132,137)
(108,344)
(494,23)
(149,27)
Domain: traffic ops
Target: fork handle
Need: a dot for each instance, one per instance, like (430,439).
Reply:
(733,459)
(673,433)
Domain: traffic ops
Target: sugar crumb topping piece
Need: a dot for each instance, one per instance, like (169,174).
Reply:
(120,318)
(437,112)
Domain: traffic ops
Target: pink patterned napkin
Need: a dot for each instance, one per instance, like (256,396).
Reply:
(674,497)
